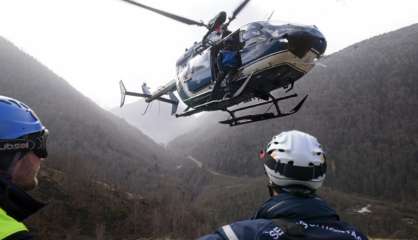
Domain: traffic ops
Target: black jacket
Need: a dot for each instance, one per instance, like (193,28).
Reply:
(18,205)
(282,215)
(293,207)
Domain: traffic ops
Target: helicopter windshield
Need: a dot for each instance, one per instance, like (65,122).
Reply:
(250,31)
(253,33)
(263,29)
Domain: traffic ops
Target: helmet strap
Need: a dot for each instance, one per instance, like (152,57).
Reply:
(297,190)
(9,160)
(273,188)
(271,191)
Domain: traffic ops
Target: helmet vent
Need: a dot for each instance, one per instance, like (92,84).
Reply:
(318,153)
(276,142)
(311,164)
(4,101)
(281,150)
(16,103)
(24,105)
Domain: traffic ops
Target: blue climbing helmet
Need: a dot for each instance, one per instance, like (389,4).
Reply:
(21,131)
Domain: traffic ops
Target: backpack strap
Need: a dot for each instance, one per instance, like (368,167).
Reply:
(292,230)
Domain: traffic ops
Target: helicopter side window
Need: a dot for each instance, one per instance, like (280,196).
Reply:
(184,72)
(252,36)
(249,34)
(201,75)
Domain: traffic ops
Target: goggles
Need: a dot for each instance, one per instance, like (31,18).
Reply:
(294,172)
(36,142)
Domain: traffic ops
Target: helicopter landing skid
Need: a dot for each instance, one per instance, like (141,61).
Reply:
(235,121)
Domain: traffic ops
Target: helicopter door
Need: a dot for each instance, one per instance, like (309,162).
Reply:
(201,74)
(236,46)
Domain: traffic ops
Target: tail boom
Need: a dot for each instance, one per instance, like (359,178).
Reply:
(167,89)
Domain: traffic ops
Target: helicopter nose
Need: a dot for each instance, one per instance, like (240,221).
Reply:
(301,42)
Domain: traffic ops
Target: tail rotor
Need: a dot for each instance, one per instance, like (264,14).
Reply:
(122,93)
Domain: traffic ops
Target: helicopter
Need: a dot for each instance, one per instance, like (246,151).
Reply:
(271,57)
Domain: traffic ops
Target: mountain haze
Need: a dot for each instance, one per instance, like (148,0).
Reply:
(101,171)
(157,123)
(105,179)
(81,133)
(363,109)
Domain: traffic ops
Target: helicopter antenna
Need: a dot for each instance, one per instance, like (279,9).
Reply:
(146,109)
(167,14)
(271,15)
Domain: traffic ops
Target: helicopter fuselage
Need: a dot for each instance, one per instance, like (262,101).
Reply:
(275,56)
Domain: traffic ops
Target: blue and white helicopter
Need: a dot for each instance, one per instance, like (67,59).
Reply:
(272,56)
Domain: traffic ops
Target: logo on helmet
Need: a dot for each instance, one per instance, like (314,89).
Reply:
(14,146)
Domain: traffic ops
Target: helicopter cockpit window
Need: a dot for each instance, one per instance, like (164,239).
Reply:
(276,29)
(249,34)
(252,34)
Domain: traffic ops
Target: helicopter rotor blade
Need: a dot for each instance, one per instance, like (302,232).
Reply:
(167,14)
(238,10)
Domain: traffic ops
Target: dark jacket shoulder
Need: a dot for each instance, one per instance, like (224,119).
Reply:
(290,206)
(18,205)
(23,235)
(280,217)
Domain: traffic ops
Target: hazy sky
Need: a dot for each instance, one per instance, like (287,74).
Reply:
(95,43)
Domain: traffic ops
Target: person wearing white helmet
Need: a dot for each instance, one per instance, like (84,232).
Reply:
(295,165)
(22,147)
(294,161)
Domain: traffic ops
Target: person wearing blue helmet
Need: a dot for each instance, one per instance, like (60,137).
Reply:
(22,147)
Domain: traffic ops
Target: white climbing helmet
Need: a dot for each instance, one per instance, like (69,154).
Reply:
(294,158)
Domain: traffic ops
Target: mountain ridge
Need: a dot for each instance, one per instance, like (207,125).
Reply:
(362,109)
(105,179)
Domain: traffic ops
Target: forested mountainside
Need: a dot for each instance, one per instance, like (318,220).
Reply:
(157,123)
(362,107)
(82,136)
(101,171)
(105,179)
